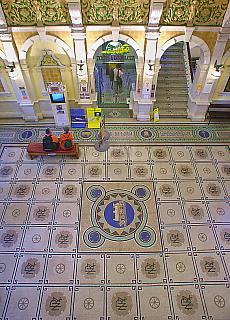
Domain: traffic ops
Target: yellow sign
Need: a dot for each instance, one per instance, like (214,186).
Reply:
(156,116)
(94,118)
(118,49)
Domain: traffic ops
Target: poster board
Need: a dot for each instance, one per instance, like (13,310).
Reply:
(94,118)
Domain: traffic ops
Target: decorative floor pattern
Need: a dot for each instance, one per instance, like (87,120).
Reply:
(137,233)
(128,134)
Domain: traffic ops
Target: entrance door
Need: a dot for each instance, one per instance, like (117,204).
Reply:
(115,74)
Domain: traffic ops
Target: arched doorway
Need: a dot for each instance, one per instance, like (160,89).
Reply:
(115,73)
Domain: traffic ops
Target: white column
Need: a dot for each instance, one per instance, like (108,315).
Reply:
(24,96)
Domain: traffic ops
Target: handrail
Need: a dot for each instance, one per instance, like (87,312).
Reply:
(190,60)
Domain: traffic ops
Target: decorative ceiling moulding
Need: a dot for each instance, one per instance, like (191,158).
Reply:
(115,12)
(194,12)
(35,12)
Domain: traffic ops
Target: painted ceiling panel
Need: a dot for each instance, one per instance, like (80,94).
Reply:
(105,12)
(115,11)
(194,12)
(35,12)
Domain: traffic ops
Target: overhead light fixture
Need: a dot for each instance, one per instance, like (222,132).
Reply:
(150,71)
(13,73)
(216,72)
(11,66)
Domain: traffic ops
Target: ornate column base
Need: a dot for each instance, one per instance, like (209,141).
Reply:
(28,112)
(197,109)
(142,108)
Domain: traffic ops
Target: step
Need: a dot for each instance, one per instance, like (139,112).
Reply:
(175,85)
(171,72)
(160,92)
(171,61)
(171,105)
(171,99)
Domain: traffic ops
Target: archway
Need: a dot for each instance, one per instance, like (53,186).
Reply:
(115,73)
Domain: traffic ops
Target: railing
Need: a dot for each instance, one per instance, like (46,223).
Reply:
(188,64)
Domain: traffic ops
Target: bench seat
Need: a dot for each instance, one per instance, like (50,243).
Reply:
(36,149)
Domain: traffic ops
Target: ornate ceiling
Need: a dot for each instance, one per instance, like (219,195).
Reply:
(105,12)
(35,12)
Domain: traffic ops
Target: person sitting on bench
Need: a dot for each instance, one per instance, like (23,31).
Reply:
(66,139)
(50,141)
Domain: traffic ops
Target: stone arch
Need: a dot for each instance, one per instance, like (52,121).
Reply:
(122,37)
(30,41)
(194,41)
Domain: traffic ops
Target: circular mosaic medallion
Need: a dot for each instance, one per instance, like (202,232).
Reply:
(142,192)
(121,268)
(226,170)
(2,267)
(204,134)
(85,134)
(88,303)
(93,237)
(69,191)
(26,134)
(119,214)
(145,237)
(140,171)
(94,171)
(94,192)
(60,268)
(185,170)
(146,134)
(220,211)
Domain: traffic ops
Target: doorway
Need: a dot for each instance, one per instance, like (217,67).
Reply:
(115,74)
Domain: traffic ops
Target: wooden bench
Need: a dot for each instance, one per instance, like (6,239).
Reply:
(36,149)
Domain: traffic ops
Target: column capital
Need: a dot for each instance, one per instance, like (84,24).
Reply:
(152,35)
(6,37)
(222,37)
(78,34)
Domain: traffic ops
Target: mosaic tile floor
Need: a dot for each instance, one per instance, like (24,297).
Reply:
(139,232)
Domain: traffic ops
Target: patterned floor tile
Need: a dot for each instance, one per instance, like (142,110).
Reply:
(137,232)
(187,302)
(150,269)
(170,213)
(217,301)
(202,237)
(163,171)
(56,303)
(90,269)
(120,269)
(16,213)
(180,268)
(89,303)
(154,303)
(23,303)
(121,302)
(7,263)
(30,269)
(210,267)
(60,269)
